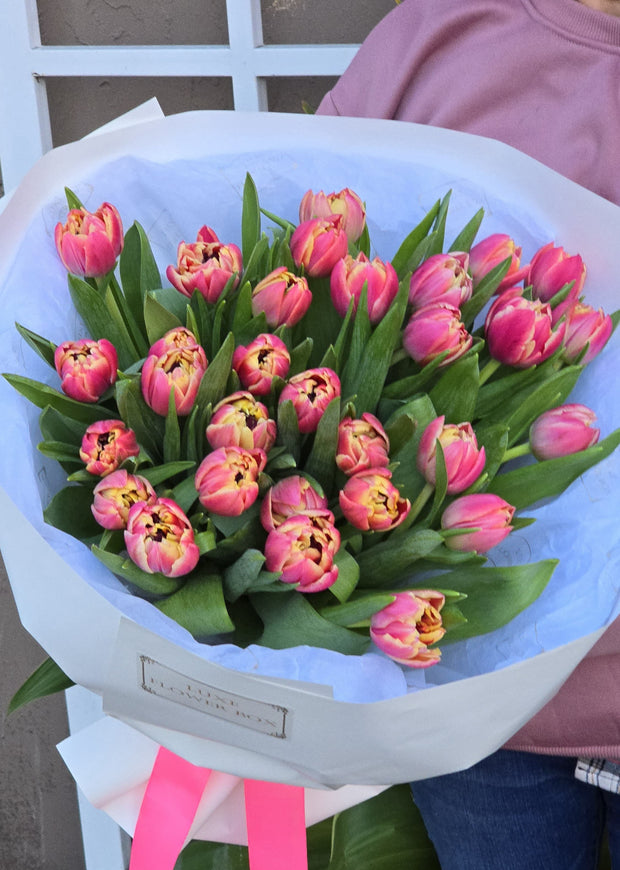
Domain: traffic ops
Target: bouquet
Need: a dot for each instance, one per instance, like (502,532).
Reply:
(392,554)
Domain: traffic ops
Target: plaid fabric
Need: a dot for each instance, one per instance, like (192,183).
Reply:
(597,771)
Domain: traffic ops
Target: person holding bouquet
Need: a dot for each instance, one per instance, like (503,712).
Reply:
(544,77)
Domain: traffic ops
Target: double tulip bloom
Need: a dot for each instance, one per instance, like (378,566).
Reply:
(520,332)
(259,362)
(311,392)
(87,368)
(289,497)
(105,445)
(345,203)
(488,515)
(348,278)
(442,278)
(282,297)
(370,501)
(160,538)
(463,458)
(562,431)
(492,251)
(175,363)
(407,627)
(587,329)
(241,420)
(362,444)
(302,549)
(227,479)
(205,265)
(434,330)
(115,495)
(318,244)
(90,243)
(551,269)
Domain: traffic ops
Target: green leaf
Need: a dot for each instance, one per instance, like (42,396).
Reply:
(138,271)
(348,576)
(495,595)
(73,201)
(358,609)
(246,574)
(440,222)
(483,292)
(158,318)
(465,238)
(455,393)
(43,396)
(213,385)
(123,567)
(69,510)
(400,260)
(172,433)
(42,346)
(394,558)
(290,620)
(199,606)
(101,322)
(46,680)
(527,485)
(321,463)
(250,218)
(521,411)
(159,473)
(57,427)
(61,452)
(288,429)
(201,855)
(146,424)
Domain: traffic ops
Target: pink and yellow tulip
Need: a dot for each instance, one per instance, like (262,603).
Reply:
(227,479)
(259,362)
(116,494)
(520,331)
(302,549)
(240,420)
(345,203)
(362,444)
(89,243)
(585,327)
(205,265)
(179,367)
(406,628)
(492,251)
(370,501)
(348,278)
(562,431)
(463,459)
(282,297)
(489,515)
(442,278)
(105,445)
(160,538)
(87,368)
(318,244)
(433,331)
(289,497)
(311,392)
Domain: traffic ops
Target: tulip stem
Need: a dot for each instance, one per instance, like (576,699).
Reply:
(516,451)
(489,369)
(398,356)
(417,506)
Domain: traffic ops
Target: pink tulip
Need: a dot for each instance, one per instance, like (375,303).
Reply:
(318,244)
(492,251)
(345,203)
(371,502)
(160,538)
(311,392)
(433,330)
(205,265)
(585,326)
(303,548)
(176,338)
(241,421)
(441,278)
(406,628)
(116,494)
(562,431)
(289,497)
(362,444)
(551,268)
(464,461)
(488,514)
(105,445)
(259,362)
(348,278)
(87,368)
(227,479)
(282,297)
(519,331)
(90,243)
(180,368)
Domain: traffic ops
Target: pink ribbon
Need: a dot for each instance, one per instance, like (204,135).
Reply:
(275,818)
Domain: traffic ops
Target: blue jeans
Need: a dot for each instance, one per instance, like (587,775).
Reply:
(518,811)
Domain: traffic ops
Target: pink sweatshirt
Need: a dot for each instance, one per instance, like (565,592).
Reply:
(544,77)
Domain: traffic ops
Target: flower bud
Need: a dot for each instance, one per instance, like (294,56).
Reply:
(464,461)
(406,628)
(433,330)
(174,339)
(115,495)
(303,548)
(345,203)
(371,502)
(362,444)
(105,445)
(492,251)
(87,368)
(89,244)
(289,497)
(551,269)
(205,265)
(227,479)
(489,515)
(179,367)
(563,430)
(441,278)
(259,362)
(311,392)
(317,245)
(282,297)
(160,538)
(519,331)
(241,421)
(348,278)
(585,326)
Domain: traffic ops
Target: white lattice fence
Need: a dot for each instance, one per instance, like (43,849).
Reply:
(25,132)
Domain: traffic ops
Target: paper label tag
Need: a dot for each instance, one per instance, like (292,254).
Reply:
(166,683)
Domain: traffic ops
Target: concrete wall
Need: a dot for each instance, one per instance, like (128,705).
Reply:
(39,826)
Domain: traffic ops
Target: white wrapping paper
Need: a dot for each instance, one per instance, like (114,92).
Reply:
(303,716)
